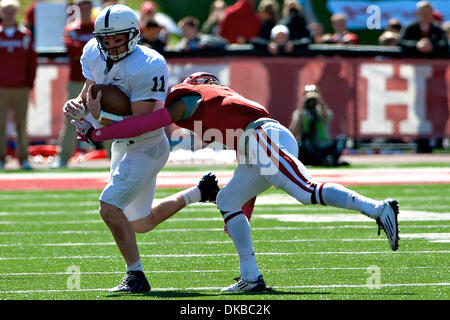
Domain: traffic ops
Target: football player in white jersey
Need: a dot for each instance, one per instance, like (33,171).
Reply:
(113,57)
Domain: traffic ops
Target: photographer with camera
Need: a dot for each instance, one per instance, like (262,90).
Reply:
(310,126)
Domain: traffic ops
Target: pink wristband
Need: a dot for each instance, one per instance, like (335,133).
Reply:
(134,126)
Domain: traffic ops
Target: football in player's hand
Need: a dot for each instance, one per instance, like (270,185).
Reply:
(113,99)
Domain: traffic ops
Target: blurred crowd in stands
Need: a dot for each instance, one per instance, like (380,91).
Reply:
(277,31)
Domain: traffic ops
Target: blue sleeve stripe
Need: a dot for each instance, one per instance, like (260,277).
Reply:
(192,101)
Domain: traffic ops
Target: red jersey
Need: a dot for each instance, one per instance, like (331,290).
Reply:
(75,37)
(239,20)
(220,109)
(18,59)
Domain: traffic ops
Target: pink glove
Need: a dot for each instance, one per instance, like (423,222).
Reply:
(84,130)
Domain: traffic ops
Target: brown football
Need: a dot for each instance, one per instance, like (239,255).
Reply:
(113,100)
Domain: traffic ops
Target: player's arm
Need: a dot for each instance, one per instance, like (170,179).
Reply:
(137,125)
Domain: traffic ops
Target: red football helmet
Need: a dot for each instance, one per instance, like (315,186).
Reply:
(202,78)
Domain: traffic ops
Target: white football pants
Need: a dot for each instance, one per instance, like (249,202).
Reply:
(135,163)
(272,160)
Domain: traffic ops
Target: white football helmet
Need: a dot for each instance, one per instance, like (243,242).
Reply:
(113,20)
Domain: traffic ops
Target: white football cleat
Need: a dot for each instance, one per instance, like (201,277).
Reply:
(246,286)
(389,223)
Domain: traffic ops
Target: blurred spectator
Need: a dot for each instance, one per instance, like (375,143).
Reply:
(341,34)
(423,35)
(193,40)
(107,3)
(389,38)
(268,12)
(446,27)
(327,38)
(211,25)
(239,22)
(103,4)
(148,11)
(75,36)
(279,41)
(29,15)
(294,20)
(150,36)
(18,63)
(153,34)
(310,126)
(316,30)
(438,17)
(394,25)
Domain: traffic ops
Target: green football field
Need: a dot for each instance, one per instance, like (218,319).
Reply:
(54,245)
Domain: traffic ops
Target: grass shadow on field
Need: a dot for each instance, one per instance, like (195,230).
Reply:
(193,294)
(275,292)
(162,294)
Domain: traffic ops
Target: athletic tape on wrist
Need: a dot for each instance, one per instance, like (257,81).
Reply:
(107,118)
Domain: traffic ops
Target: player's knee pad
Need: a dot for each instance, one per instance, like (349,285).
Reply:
(228,215)
(316,195)
(220,201)
(225,203)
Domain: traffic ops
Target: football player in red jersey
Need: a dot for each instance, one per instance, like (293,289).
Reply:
(267,155)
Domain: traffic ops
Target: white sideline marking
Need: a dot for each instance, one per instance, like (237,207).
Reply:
(201,255)
(206,271)
(282,198)
(52,204)
(48,232)
(89,244)
(405,215)
(218,288)
(433,237)
(429,236)
(79,222)
(266,199)
(49,213)
(10,233)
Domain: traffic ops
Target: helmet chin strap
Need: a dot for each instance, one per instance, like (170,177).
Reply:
(104,52)
(117,57)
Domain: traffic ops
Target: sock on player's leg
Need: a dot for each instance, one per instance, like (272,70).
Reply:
(339,196)
(239,231)
(137,266)
(247,209)
(191,195)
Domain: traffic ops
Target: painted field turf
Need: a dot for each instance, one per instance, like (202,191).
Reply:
(46,236)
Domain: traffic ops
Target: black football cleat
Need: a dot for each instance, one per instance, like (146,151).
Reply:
(208,188)
(134,281)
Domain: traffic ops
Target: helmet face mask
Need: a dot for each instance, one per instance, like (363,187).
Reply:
(202,78)
(116,20)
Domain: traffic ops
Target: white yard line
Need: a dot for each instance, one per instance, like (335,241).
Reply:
(202,255)
(405,215)
(209,271)
(428,236)
(325,286)
(55,199)
(11,233)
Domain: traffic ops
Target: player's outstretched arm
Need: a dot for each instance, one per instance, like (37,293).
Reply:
(135,126)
